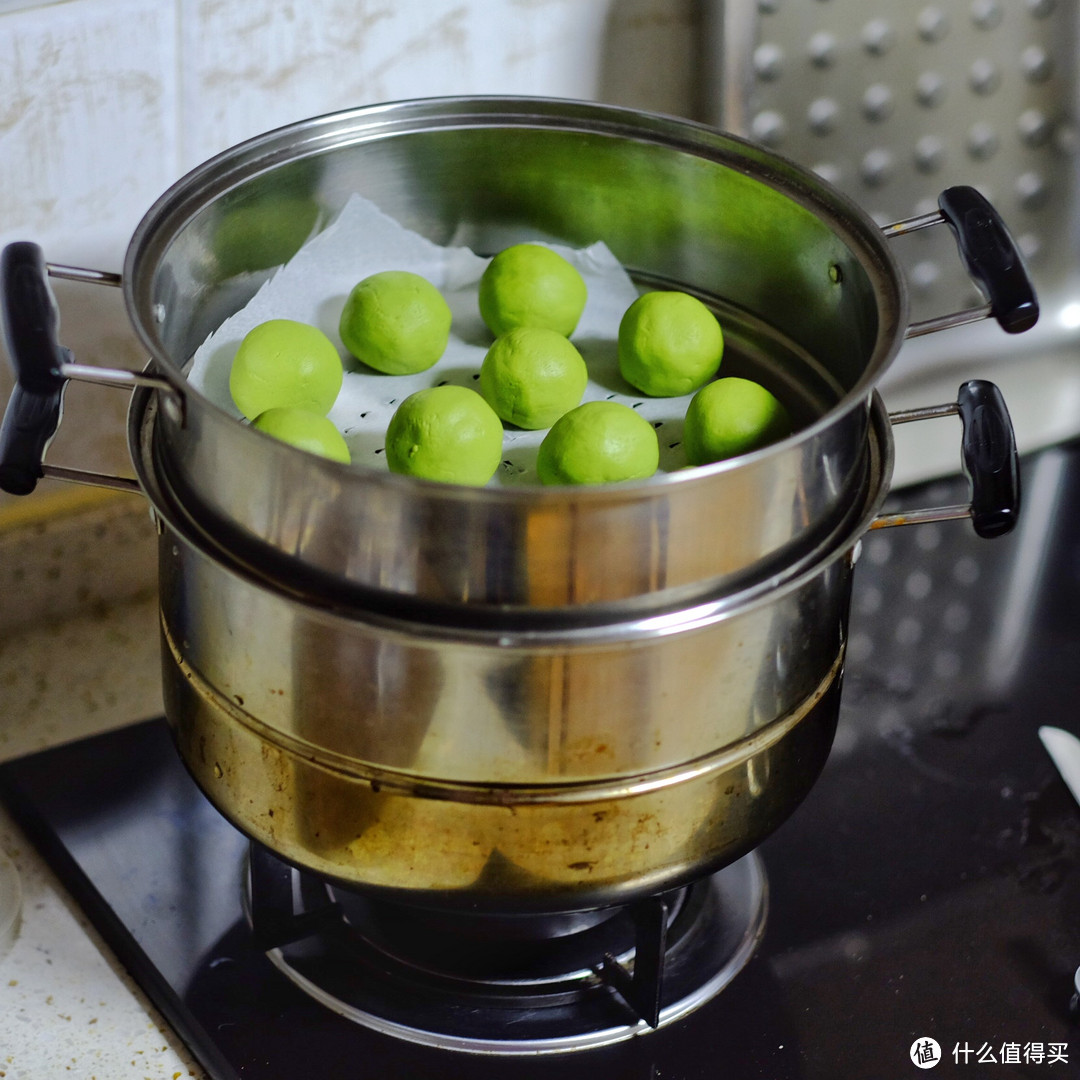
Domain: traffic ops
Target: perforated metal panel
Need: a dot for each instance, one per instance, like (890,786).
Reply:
(894,101)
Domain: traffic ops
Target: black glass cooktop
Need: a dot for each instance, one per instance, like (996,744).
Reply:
(927,889)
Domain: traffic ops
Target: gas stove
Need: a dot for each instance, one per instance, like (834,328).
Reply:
(917,911)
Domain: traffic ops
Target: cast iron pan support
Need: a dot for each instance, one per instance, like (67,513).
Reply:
(641,988)
(274,919)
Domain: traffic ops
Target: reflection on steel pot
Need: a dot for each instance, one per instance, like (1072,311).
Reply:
(507,699)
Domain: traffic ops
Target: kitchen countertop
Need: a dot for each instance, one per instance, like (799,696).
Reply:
(67,1007)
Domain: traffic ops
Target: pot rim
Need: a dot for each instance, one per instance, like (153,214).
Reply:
(846,219)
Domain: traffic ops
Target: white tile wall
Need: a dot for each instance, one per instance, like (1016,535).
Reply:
(251,66)
(104,103)
(254,68)
(88,136)
(88,120)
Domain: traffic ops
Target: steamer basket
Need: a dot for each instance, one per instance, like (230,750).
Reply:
(810,299)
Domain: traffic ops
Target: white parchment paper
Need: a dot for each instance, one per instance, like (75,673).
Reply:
(312,288)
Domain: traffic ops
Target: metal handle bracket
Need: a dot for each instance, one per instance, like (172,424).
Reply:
(990,256)
(43,368)
(989,460)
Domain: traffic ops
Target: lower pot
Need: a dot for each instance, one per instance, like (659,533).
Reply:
(510,768)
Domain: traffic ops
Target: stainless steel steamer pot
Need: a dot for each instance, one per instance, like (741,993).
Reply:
(520,698)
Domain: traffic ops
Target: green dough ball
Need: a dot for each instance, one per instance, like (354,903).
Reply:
(282,363)
(531,285)
(531,376)
(396,322)
(447,433)
(669,344)
(732,416)
(600,442)
(307,430)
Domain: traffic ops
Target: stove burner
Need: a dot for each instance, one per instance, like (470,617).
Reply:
(525,984)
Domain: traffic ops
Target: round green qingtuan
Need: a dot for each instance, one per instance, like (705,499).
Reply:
(669,344)
(600,442)
(531,285)
(284,363)
(305,430)
(447,433)
(396,322)
(732,416)
(531,376)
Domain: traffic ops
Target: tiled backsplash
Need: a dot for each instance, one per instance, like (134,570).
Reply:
(104,103)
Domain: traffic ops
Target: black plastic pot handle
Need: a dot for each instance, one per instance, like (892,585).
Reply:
(29,322)
(990,458)
(991,258)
